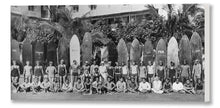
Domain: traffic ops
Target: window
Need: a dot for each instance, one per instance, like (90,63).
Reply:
(44,11)
(75,8)
(31,8)
(92,7)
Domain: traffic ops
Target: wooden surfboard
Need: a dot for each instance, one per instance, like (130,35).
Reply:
(185,50)
(87,48)
(63,51)
(161,53)
(148,52)
(122,52)
(172,52)
(112,52)
(74,50)
(27,51)
(15,50)
(52,52)
(135,51)
(39,52)
(196,47)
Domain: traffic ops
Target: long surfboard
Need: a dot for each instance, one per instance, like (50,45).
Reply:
(39,51)
(161,52)
(196,47)
(122,52)
(52,52)
(135,51)
(185,50)
(15,50)
(148,52)
(172,52)
(27,51)
(74,50)
(63,51)
(112,52)
(87,48)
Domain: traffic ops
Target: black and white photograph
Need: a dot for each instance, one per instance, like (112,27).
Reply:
(115,52)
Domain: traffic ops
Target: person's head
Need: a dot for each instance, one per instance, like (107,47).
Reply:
(121,79)
(61,61)
(50,63)
(143,80)
(122,63)
(132,79)
(156,78)
(172,63)
(102,63)
(141,63)
(26,80)
(14,62)
(199,81)
(86,63)
(67,81)
(184,62)
(187,81)
(94,62)
(86,71)
(109,63)
(97,79)
(37,63)
(133,63)
(167,80)
(161,63)
(177,80)
(149,63)
(96,69)
(74,62)
(87,79)
(79,80)
(46,79)
(108,79)
(27,63)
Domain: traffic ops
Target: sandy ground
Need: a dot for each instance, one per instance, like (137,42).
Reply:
(113,98)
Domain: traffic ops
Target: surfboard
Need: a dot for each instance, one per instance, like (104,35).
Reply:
(135,51)
(172,52)
(39,52)
(112,52)
(185,50)
(27,51)
(122,52)
(87,48)
(161,52)
(63,51)
(104,53)
(196,47)
(148,52)
(74,50)
(52,52)
(15,50)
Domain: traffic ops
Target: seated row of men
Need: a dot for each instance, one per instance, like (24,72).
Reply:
(97,86)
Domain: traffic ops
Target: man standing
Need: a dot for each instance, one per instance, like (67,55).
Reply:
(185,71)
(51,70)
(197,70)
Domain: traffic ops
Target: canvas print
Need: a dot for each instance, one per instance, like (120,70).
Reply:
(124,52)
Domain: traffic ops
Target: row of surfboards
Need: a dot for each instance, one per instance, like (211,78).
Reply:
(186,49)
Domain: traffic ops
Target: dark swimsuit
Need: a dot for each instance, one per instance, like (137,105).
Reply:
(172,73)
(14,72)
(110,72)
(62,71)
(38,72)
(199,86)
(96,75)
(160,73)
(167,86)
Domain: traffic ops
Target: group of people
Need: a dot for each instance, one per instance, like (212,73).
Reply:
(108,79)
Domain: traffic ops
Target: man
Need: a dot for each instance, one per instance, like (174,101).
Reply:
(121,86)
(178,87)
(78,86)
(150,70)
(103,71)
(62,72)
(45,85)
(109,85)
(124,71)
(197,70)
(132,85)
(167,86)
(142,72)
(185,72)
(92,67)
(157,86)
(86,67)
(74,72)
(160,71)
(26,87)
(144,87)
(28,71)
(51,70)
(67,86)
(172,72)
(134,71)
(110,70)
(95,88)
(35,85)
(188,87)
(118,72)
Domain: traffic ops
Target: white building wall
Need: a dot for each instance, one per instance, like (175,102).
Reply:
(23,10)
